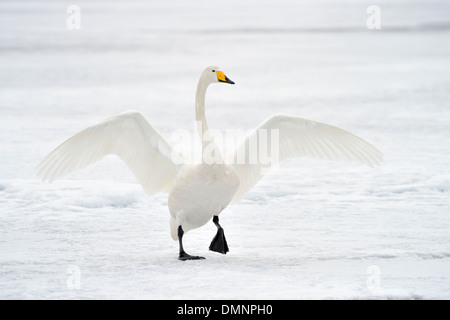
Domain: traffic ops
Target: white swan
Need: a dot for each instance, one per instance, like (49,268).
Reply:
(199,192)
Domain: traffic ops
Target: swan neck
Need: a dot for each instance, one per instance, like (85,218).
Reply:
(200,116)
(210,152)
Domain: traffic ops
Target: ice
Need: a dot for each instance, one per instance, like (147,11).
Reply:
(310,229)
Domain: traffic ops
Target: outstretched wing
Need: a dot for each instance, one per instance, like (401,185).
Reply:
(127,135)
(296,137)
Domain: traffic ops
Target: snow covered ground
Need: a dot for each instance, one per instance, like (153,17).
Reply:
(310,229)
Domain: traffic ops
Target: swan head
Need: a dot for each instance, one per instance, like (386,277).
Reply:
(213,74)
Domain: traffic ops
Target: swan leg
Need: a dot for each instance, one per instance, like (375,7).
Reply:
(183,255)
(219,243)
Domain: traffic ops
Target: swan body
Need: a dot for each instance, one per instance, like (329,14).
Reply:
(199,192)
(200,184)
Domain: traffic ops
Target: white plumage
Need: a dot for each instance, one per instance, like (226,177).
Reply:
(127,135)
(199,192)
(300,138)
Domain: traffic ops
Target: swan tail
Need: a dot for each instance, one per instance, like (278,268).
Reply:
(173,228)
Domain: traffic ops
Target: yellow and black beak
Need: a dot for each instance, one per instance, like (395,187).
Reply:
(223,78)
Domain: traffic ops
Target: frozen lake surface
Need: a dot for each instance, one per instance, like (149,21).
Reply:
(310,229)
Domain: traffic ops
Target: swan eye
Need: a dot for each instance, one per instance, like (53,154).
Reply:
(213,70)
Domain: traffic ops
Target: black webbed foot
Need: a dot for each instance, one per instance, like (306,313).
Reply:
(184,256)
(219,243)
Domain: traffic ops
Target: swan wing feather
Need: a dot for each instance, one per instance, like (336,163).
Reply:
(298,137)
(128,135)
